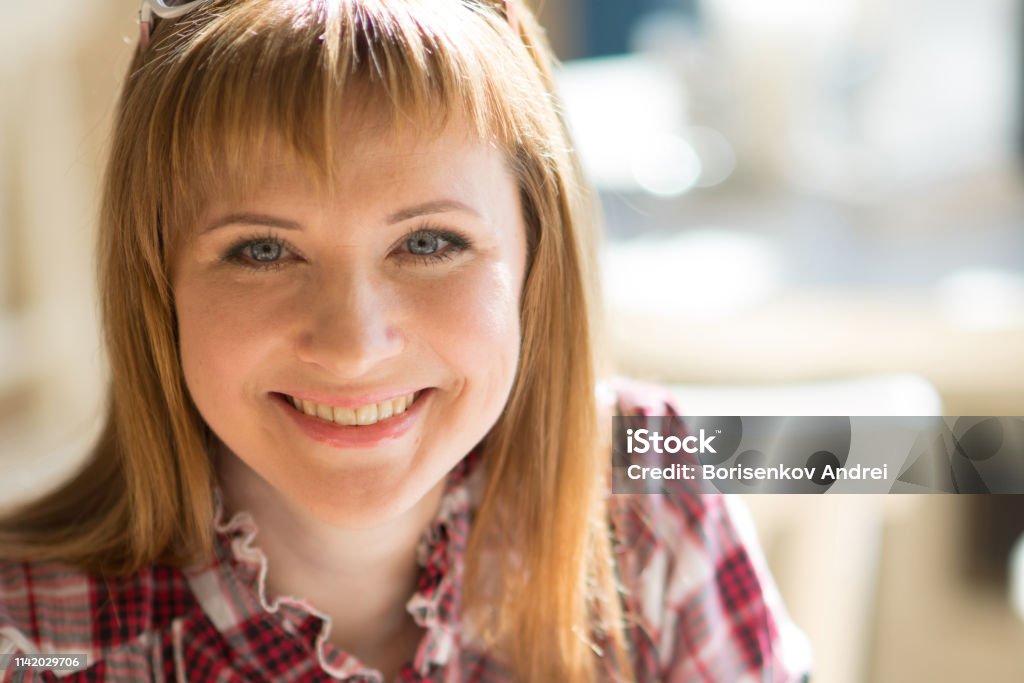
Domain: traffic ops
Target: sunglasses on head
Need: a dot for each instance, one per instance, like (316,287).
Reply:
(164,9)
(172,9)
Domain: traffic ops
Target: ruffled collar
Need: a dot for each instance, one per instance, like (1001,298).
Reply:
(435,606)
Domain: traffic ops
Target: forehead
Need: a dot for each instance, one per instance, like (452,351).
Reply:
(377,171)
(374,164)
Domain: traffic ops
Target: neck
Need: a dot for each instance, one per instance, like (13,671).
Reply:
(360,578)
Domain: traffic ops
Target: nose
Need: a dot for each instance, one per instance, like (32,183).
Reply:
(351,326)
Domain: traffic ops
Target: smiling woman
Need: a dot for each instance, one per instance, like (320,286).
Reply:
(344,303)
(355,430)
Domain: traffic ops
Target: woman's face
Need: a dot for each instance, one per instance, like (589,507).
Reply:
(401,280)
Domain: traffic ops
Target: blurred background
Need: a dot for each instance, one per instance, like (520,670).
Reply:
(811,207)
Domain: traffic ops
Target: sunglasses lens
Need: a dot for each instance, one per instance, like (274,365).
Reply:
(172,8)
(172,4)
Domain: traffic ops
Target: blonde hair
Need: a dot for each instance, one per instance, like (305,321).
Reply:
(199,104)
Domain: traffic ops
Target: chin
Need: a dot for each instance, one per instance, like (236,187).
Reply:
(365,508)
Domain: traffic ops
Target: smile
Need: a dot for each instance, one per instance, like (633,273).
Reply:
(366,415)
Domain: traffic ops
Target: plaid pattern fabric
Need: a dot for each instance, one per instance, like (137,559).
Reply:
(700,604)
(700,601)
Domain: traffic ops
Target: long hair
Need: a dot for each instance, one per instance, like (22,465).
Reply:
(197,108)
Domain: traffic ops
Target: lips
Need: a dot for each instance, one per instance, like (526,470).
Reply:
(342,436)
(363,415)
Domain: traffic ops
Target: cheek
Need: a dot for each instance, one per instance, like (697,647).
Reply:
(473,321)
(222,334)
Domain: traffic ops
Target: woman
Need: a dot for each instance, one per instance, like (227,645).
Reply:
(353,429)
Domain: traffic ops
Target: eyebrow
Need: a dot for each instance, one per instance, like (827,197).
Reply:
(252,219)
(425,209)
(438,206)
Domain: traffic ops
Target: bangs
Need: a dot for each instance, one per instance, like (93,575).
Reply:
(241,82)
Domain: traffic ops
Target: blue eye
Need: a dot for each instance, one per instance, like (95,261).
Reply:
(423,243)
(258,253)
(264,251)
(431,244)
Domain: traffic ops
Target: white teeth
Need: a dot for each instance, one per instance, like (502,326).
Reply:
(345,416)
(366,415)
(363,415)
(401,404)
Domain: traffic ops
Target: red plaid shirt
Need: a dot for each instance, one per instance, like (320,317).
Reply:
(701,606)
